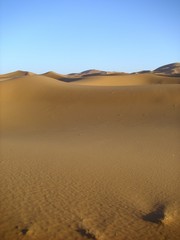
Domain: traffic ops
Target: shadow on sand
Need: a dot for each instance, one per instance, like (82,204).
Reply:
(156,216)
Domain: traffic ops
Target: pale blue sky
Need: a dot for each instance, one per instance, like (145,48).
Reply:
(71,36)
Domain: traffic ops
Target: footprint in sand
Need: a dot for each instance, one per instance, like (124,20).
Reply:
(23,230)
(85,233)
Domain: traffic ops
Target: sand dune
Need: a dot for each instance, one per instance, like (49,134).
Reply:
(128,80)
(90,159)
(53,75)
(16,74)
(95,72)
(169,69)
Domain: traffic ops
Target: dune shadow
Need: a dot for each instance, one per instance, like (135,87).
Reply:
(84,233)
(70,79)
(156,216)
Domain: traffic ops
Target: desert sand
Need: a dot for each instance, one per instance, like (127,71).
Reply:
(94,157)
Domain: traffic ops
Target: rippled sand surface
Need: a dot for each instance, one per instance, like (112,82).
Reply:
(89,162)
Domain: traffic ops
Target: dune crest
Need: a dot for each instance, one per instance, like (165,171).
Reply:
(169,69)
(16,74)
(52,74)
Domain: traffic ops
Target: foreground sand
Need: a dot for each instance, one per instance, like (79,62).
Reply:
(89,162)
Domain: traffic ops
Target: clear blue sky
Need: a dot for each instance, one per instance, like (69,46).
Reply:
(74,35)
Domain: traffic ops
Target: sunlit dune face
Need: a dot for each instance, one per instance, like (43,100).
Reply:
(96,158)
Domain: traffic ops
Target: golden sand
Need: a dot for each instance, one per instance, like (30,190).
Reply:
(95,159)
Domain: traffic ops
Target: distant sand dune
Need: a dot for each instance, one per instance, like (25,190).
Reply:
(97,158)
(169,69)
(128,80)
(53,75)
(16,74)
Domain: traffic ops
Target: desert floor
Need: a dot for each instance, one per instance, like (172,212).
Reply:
(97,158)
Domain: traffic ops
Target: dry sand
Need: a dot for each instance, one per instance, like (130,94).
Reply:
(90,162)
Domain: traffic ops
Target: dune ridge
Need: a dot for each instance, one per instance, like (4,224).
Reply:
(167,74)
(54,75)
(95,158)
(169,69)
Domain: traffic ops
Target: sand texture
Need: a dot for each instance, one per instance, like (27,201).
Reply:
(94,158)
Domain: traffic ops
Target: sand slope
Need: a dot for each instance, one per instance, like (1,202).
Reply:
(16,74)
(53,75)
(128,80)
(172,69)
(89,162)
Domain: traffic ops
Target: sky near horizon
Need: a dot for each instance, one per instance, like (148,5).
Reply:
(71,36)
